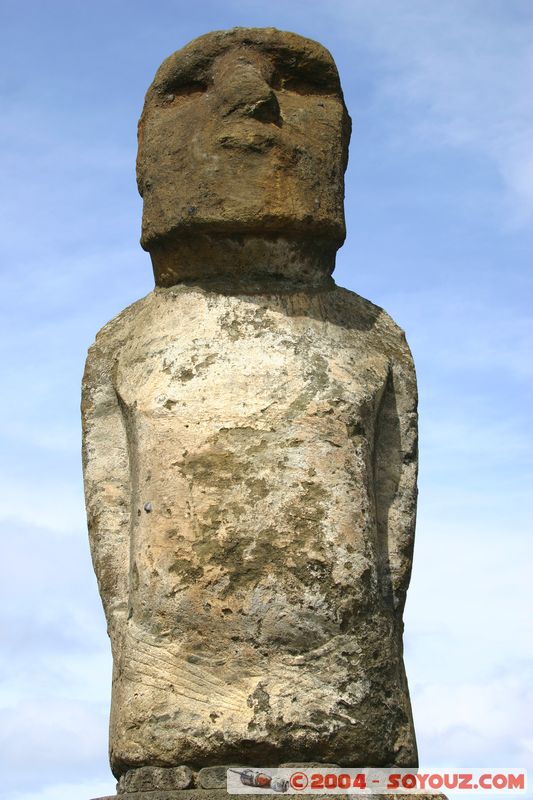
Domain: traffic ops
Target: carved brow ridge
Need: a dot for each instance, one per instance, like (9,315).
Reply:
(301,59)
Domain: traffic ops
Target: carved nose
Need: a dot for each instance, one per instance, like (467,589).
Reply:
(244,92)
(265,108)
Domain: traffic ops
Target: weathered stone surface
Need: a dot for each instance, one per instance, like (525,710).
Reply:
(212,778)
(261,470)
(308,764)
(221,794)
(243,132)
(250,442)
(150,778)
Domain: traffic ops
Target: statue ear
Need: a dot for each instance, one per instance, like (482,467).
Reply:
(139,162)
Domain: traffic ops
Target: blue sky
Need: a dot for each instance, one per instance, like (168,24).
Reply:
(439,212)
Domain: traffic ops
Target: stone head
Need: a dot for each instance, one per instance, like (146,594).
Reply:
(243,137)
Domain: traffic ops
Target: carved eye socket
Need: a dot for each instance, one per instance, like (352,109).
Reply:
(302,84)
(183,91)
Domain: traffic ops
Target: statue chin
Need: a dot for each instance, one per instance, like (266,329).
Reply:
(231,260)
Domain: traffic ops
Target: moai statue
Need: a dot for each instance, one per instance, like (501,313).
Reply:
(250,436)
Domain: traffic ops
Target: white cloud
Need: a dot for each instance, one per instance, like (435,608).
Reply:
(468,587)
(467,68)
(55,505)
(469,643)
(496,711)
(484,724)
(55,672)
(80,790)
(56,733)
(467,331)
(458,74)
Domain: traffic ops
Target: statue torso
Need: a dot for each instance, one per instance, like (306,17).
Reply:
(251,426)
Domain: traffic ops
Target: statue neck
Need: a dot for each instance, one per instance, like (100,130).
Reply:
(240,261)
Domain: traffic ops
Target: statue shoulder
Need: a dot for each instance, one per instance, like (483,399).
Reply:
(113,335)
(375,323)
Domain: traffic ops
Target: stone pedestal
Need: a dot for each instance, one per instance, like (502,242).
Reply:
(181,783)
(221,794)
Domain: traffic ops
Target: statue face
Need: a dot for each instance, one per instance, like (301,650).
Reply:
(244,131)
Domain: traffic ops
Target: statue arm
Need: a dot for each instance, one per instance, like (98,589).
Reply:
(396,469)
(107,486)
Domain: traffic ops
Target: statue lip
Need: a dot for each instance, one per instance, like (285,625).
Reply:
(248,138)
